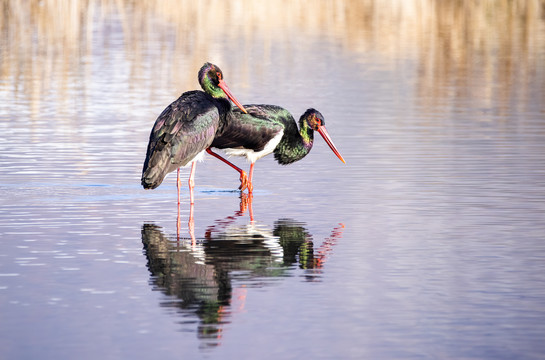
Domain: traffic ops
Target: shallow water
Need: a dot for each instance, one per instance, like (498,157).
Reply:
(428,243)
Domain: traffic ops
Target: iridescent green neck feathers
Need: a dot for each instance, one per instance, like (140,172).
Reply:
(209,76)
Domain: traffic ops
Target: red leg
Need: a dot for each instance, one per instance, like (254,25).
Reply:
(191,182)
(191,222)
(178,185)
(250,184)
(191,225)
(251,210)
(243,176)
(178,224)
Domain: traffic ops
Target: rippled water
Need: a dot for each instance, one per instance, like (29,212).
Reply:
(427,244)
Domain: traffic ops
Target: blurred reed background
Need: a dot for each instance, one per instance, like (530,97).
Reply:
(47,47)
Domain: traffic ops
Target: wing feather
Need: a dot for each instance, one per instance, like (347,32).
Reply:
(250,131)
(183,130)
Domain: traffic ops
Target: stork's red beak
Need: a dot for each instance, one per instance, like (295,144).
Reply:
(322,130)
(227,92)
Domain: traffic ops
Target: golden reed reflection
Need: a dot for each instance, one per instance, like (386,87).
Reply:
(48,44)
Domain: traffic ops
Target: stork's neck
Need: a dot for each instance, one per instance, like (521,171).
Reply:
(306,134)
(213,90)
(295,144)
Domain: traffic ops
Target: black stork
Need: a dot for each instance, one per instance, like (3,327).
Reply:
(265,129)
(186,128)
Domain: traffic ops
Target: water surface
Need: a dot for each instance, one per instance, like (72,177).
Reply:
(427,244)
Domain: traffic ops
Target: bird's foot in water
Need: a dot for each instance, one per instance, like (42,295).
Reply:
(246,204)
(245,199)
(243,181)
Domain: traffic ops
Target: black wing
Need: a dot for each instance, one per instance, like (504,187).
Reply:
(184,129)
(250,131)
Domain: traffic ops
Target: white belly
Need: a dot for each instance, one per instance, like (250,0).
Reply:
(199,157)
(252,155)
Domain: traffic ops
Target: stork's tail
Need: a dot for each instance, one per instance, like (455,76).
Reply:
(155,169)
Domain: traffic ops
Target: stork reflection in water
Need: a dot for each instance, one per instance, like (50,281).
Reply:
(209,278)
